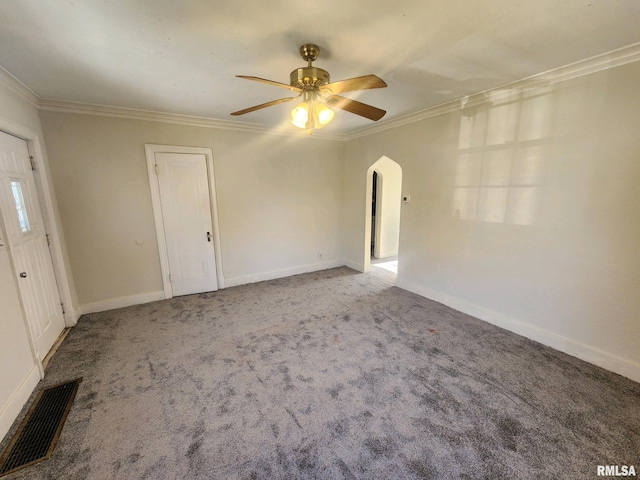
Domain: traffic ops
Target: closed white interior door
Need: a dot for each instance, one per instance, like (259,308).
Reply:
(186,213)
(28,245)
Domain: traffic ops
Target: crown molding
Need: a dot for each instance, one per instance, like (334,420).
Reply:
(608,60)
(605,61)
(19,88)
(194,121)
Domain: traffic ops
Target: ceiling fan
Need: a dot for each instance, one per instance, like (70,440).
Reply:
(318,94)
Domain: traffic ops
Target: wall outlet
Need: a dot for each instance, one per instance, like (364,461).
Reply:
(319,255)
(406,199)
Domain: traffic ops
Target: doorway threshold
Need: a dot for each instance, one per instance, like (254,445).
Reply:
(54,348)
(385,269)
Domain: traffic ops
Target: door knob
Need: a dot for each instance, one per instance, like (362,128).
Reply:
(23,274)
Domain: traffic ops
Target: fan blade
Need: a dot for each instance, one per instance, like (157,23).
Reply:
(362,109)
(358,83)
(264,105)
(271,82)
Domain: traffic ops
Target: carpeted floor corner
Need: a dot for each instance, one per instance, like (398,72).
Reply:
(328,375)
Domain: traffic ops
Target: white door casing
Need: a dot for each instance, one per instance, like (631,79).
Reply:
(27,242)
(183,194)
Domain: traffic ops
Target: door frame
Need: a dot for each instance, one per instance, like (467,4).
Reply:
(150,152)
(376,166)
(48,208)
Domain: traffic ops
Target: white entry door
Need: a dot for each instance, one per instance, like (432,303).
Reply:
(28,245)
(186,213)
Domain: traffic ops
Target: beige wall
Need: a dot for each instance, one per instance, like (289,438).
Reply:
(524,212)
(278,199)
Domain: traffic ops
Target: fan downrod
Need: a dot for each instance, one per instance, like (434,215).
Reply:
(309,52)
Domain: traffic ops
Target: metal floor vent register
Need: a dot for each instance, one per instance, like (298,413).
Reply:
(38,433)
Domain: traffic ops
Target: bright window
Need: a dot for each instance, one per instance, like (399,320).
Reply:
(18,197)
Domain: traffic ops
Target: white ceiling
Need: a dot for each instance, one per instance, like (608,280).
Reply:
(182,56)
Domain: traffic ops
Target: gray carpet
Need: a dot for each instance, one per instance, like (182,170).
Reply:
(328,375)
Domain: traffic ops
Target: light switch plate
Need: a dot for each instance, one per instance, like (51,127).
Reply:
(406,199)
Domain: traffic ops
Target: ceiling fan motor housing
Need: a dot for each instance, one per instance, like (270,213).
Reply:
(309,77)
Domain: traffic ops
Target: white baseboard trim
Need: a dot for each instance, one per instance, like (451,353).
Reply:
(228,282)
(356,266)
(12,408)
(71,316)
(286,272)
(121,302)
(385,254)
(574,348)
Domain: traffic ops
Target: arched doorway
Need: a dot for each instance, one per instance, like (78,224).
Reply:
(382,223)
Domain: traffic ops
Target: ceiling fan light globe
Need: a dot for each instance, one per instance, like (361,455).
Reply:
(324,114)
(300,115)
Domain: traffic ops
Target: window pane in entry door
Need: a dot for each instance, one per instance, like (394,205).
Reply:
(18,197)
